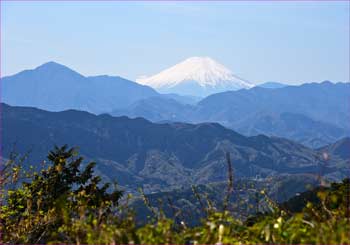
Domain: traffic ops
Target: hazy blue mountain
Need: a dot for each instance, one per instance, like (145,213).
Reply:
(324,102)
(157,109)
(294,126)
(55,87)
(314,114)
(119,92)
(137,152)
(183,99)
(272,85)
(341,149)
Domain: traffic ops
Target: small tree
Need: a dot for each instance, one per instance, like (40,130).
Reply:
(49,205)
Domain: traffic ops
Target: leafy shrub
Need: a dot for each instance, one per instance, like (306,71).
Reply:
(66,203)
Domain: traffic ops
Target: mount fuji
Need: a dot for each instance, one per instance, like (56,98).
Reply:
(195,76)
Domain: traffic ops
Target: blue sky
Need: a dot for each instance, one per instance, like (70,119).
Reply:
(290,42)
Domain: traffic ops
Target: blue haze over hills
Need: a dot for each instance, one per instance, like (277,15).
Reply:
(309,113)
(55,87)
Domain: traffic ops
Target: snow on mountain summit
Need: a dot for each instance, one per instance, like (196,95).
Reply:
(198,76)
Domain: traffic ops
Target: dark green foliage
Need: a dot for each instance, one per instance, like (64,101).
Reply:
(66,203)
(39,210)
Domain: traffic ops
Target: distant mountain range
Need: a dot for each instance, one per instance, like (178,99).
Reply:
(158,109)
(272,85)
(196,76)
(313,114)
(323,102)
(158,156)
(55,87)
(339,148)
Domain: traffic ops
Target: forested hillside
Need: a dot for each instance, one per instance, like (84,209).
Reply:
(65,203)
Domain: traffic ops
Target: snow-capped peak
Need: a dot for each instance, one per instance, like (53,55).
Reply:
(201,71)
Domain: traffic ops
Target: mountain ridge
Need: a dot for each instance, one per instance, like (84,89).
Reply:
(294,111)
(158,156)
(309,113)
(55,87)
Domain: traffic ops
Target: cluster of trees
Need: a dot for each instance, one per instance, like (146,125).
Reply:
(65,202)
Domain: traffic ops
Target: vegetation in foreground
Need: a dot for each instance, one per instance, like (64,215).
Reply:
(65,203)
